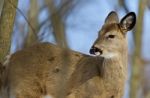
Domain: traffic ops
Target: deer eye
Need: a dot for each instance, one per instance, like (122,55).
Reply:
(111,36)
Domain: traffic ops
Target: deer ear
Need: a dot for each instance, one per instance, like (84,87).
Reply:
(128,22)
(112,18)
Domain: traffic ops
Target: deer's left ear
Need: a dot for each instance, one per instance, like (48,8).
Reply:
(128,22)
(112,18)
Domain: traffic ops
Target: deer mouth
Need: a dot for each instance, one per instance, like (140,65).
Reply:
(96,51)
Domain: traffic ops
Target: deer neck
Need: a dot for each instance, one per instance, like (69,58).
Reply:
(116,66)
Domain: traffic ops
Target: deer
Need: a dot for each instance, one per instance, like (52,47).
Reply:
(45,70)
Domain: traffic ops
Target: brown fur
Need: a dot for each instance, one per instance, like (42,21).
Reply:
(45,69)
(37,71)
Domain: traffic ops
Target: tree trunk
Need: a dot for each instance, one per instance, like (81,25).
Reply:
(136,63)
(57,24)
(6,26)
(33,19)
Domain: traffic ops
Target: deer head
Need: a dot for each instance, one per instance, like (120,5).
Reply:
(111,41)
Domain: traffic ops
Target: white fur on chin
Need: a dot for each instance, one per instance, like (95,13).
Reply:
(109,55)
(47,96)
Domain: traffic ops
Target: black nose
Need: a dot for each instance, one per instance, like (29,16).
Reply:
(95,50)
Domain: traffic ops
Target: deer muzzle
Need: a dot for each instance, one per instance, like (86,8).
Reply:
(96,51)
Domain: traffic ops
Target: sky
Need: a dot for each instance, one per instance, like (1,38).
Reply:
(84,23)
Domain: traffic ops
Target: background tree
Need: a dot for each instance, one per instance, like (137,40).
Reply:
(6,26)
(137,66)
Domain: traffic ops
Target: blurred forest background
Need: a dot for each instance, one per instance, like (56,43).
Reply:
(75,24)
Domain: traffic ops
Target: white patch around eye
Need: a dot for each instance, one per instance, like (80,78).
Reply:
(110,33)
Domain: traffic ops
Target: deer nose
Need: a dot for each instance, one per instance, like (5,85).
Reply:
(96,51)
